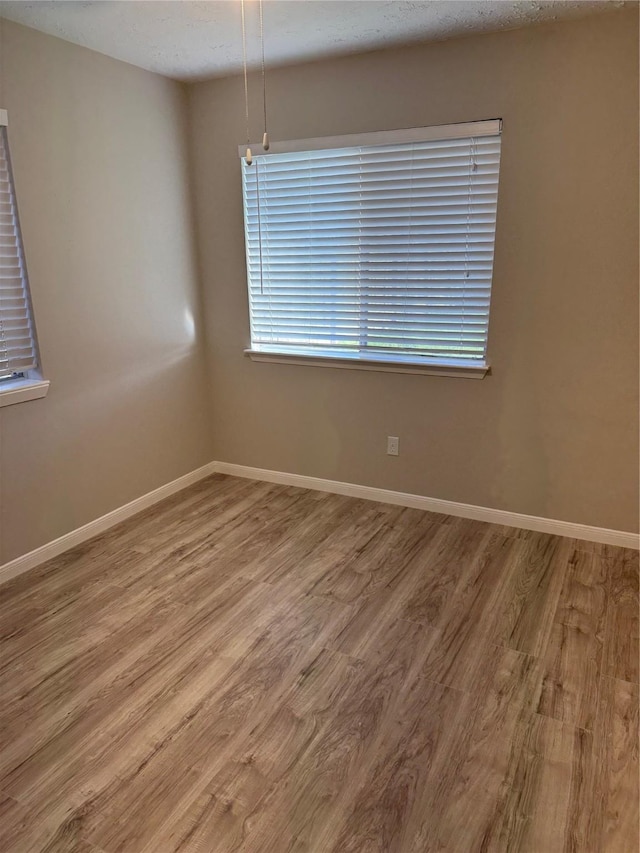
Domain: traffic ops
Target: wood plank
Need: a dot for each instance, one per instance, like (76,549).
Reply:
(248,666)
(24,830)
(615,778)
(535,813)
(381,561)
(375,613)
(583,600)
(219,817)
(389,799)
(468,620)
(461,806)
(572,667)
(443,570)
(326,518)
(301,812)
(164,655)
(622,648)
(572,661)
(357,526)
(535,583)
(201,740)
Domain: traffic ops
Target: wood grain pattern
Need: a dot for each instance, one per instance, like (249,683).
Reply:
(615,781)
(573,658)
(529,604)
(573,664)
(622,649)
(543,791)
(252,667)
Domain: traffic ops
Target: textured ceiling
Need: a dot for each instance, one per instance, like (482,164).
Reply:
(195,40)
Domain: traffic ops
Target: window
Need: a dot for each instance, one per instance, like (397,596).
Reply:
(376,248)
(18,347)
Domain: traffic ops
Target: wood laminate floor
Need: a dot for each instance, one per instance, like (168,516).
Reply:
(250,667)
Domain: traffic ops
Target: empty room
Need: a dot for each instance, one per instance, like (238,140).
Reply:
(319,426)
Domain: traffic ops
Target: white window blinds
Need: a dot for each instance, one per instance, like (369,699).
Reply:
(18,351)
(380,250)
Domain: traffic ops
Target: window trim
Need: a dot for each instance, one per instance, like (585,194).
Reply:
(460,130)
(22,390)
(386,365)
(30,384)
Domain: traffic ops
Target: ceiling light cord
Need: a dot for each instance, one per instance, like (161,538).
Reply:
(246,81)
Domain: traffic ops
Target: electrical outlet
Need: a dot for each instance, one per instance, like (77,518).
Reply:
(393,445)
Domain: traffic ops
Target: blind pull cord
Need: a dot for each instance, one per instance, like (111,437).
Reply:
(246,81)
(265,136)
(473,168)
(259,229)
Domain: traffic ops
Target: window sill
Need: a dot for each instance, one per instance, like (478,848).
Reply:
(460,371)
(22,390)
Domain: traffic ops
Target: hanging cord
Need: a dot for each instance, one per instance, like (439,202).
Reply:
(265,145)
(473,167)
(265,137)
(259,228)
(265,140)
(246,80)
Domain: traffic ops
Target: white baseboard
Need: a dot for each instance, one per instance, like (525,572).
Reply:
(480,513)
(99,525)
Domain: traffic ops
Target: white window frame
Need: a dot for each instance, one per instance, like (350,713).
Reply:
(30,385)
(491,127)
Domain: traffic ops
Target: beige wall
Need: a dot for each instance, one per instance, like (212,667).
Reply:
(554,430)
(100,162)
